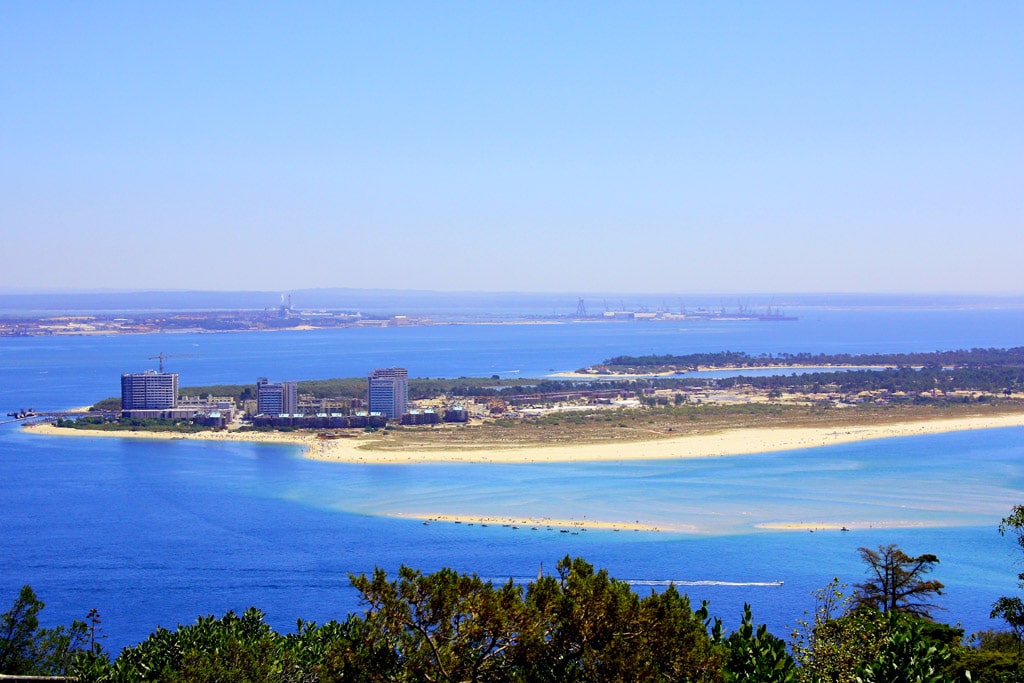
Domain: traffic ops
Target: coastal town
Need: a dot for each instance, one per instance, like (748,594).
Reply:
(154,395)
(655,405)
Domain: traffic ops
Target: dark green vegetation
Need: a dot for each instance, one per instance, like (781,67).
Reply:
(27,649)
(107,404)
(934,384)
(738,359)
(131,424)
(990,370)
(355,387)
(997,371)
(1011,609)
(581,625)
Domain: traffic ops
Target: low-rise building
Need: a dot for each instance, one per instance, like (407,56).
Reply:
(421,417)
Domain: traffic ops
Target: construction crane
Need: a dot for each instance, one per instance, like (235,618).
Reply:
(161,356)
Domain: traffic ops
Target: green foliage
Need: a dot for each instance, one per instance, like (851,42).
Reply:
(132,424)
(987,667)
(996,371)
(231,648)
(1011,609)
(846,642)
(580,625)
(27,649)
(996,641)
(849,643)
(968,358)
(756,656)
(905,655)
(419,388)
(604,631)
(1014,524)
(826,647)
(107,405)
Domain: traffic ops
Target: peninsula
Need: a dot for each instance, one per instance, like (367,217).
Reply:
(426,445)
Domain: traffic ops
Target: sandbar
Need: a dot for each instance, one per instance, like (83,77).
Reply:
(850,526)
(544,523)
(365,448)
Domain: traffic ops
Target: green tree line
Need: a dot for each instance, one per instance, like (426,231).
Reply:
(990,370)
(995,379)
(963,357)
(580,625)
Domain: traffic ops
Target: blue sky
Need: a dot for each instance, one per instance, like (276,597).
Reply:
(569,146)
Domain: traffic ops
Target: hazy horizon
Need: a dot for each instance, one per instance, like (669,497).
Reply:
(513,147)
(377,302)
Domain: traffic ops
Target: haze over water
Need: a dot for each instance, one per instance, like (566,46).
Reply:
(157,533)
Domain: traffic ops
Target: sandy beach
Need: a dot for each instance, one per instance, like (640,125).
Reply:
(364,448)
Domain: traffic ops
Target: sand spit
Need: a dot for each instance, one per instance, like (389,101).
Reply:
(357,449)
(565,526)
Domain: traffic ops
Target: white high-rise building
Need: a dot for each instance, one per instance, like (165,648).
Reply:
(276,398)
(387,391)
(150,390)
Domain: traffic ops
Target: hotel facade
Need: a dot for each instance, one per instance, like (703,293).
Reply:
(149,390)
(276,398)
(387,391)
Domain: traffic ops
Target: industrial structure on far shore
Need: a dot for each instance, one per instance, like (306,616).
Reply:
(154,395)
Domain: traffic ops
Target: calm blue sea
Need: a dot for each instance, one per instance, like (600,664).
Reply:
(156,533)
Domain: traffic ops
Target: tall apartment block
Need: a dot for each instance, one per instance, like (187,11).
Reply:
(388,392)
(276,398)
(150,390)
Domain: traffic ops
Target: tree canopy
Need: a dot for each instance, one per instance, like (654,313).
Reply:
(896,581)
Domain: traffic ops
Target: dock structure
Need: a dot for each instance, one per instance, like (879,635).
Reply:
(54,415)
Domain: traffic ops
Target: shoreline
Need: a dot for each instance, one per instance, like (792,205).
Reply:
(358,449)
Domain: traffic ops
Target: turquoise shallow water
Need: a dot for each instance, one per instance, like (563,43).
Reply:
(902,482)
(156,533)
(159,532)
